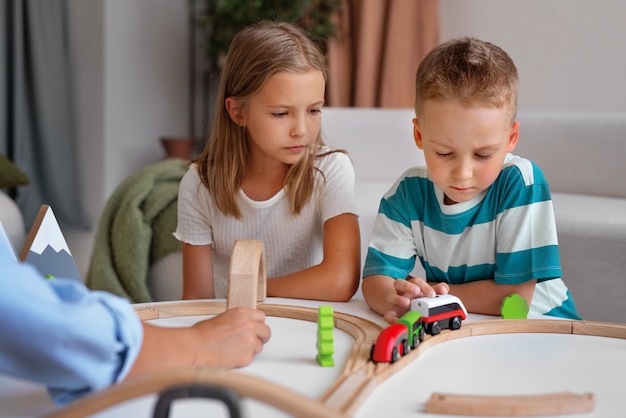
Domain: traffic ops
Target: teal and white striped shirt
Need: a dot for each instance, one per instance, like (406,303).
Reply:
(507,233)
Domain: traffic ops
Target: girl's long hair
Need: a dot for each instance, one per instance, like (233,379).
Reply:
(255,54)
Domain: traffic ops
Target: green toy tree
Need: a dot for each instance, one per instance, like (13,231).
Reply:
(325,338)
(514,307)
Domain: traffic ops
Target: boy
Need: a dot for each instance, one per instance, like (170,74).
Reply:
(479,218)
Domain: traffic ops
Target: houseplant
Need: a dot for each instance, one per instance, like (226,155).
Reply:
(220,20)
(216,22)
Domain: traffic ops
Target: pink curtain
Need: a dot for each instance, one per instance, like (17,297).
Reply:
(373,59)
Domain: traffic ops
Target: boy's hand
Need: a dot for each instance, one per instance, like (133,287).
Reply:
(407,290)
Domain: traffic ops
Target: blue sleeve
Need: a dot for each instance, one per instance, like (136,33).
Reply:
(60,334)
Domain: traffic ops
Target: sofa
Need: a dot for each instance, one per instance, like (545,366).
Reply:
(580,154)
(12,222)
(11,218)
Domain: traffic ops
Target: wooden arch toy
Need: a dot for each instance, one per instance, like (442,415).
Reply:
(359,376)
(247,283)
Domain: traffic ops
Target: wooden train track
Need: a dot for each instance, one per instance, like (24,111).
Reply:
(526,405)
(359,376)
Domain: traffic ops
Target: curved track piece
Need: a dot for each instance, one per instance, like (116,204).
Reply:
(244,385)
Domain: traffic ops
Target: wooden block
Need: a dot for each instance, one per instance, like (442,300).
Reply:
(246,277)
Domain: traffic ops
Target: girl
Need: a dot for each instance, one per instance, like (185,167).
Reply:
(265,174)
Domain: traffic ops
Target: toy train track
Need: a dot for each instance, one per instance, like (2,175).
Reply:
(359,377)
(526,405)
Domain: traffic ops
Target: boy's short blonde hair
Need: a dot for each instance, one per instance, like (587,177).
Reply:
(469,71)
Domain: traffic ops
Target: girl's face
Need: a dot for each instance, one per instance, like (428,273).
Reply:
(464,147)
(284,117)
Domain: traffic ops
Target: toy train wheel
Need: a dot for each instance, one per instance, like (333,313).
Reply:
(372,352)
(455,323)
(435,328)
(394,355)
(422,335)
(405,347)
(416,340)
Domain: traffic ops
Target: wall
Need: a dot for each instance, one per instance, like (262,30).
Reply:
(568,52)
(131,61)
(132,69)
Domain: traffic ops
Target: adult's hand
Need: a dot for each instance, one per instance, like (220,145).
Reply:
(231,339)
(228,340)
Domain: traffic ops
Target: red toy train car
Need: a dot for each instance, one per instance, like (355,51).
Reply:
(398,339)
(427,315)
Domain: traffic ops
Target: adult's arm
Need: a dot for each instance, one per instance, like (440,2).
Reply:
(76,341)
(62,335)
(229,340)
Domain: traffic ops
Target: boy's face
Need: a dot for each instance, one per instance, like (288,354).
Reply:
(464,147)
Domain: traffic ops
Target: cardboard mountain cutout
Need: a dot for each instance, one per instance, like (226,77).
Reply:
(46,249)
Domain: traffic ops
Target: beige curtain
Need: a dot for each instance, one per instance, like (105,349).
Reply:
(373,59)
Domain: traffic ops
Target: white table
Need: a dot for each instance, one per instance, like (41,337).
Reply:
(505,364)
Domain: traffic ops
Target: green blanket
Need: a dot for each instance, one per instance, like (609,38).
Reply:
(135,230)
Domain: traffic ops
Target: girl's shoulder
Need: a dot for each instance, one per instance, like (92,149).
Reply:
(327,156)
(191,178)
(192,172)
(332,161)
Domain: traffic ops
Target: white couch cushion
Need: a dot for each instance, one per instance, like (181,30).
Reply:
(590,216)
(578,152)
(379,141)
(13,222)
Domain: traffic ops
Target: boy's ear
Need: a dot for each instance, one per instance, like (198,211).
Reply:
(513,137)
(417,134)
(235,111)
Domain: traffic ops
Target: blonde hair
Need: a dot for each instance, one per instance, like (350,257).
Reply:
(469,71)
(255,54)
